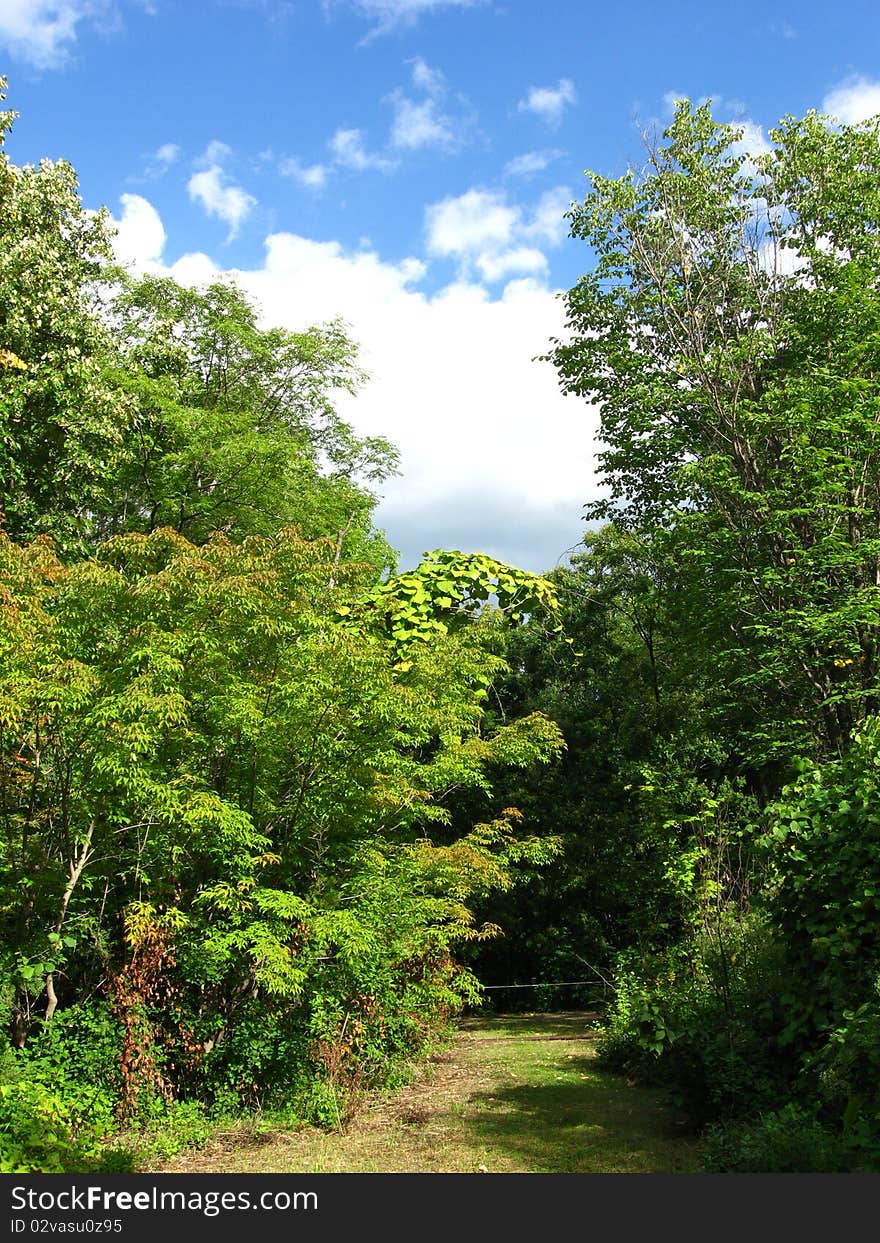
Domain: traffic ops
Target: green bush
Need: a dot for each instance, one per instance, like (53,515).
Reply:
(847,1072)
(787,1141)
(76,1056)
(824,847)
(35,1131)
(701,1021)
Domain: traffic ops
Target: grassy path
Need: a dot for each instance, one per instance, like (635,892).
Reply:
(518,1094)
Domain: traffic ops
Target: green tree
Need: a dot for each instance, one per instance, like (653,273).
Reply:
(729,331)
(652,781)
(233,426)
(207,776)
(129,405)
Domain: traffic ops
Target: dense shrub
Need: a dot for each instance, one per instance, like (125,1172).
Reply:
(825,848)
(701,1020)
(787,1141)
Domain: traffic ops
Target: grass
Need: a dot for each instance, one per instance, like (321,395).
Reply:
(517,1094)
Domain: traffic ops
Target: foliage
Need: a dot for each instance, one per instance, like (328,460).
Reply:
(652,797)
(825,851)
(789,1140)
(847,1067)
(35,1134)
(233,427)
(729,334)
(217,800)
(61,423)
(702,1019)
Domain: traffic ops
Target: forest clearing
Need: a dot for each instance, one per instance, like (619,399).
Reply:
(276,811)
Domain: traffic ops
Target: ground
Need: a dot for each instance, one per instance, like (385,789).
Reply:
(512,1094)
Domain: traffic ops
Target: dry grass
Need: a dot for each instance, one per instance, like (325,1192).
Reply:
(521,1094)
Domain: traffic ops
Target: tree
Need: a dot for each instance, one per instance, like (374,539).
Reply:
(128,405)
(208,776)
(62,426)
(233,426)
(652,772)
(730,331)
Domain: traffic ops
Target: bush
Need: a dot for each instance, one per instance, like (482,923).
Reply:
(847,1073)
(76,1056)
(701,1020)
(824,846)
(35,1131)
(787,1141)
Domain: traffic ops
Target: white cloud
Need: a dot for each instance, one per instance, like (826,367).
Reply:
(481,229)
(854,100)
(218,198)
(426,78)
(494,458)
(470,223)
(161,160)
(140,234)
(478,424)
(215,153)
(548,221)
(312,176)
(549,102)
(418,125)
(531,162)
(167,154)
(41,32)
(422,123)
(391,13)
(493,265)
(347,146)
(753,141)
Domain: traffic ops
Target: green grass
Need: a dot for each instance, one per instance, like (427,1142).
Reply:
(519,1094)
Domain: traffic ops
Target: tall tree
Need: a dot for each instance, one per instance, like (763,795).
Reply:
(730,332)
(126,405)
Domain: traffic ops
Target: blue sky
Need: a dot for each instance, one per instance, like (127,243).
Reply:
(406,164)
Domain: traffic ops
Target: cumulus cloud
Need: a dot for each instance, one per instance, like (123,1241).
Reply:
(426,78)
(469,223)
(423,123)
(161,160)
(549,102)
(167,154)
(41,32)
(493,265)
(494,458)
(219,197)
(419,124)
(215,153)
(482,230)
(854,100)
(140,234)
(416,123)
(547,221)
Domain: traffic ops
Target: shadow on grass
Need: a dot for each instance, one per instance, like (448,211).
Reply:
(589,1122)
